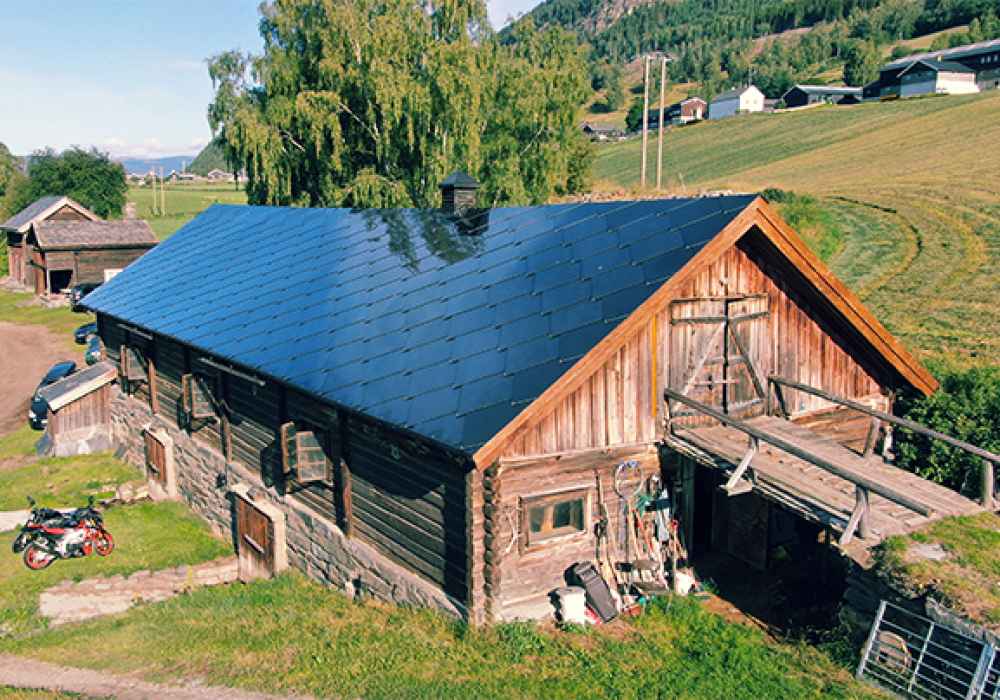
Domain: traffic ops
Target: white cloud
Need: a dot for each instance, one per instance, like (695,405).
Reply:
(150,148)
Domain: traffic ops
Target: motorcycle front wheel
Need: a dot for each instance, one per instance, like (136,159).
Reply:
(36,558)
(104,544)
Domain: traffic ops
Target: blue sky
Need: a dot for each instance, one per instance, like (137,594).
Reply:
(125,76)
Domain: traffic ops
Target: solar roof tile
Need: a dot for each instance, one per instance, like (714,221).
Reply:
(404,314)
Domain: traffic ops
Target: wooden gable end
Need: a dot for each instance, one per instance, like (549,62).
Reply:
(782,312)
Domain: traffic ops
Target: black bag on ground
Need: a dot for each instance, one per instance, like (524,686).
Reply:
(599,597)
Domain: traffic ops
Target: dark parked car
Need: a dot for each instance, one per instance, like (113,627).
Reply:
(95,351)
(38,414)
(82,334)
(78,293)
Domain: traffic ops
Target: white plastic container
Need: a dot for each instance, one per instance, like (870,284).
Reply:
(572,604)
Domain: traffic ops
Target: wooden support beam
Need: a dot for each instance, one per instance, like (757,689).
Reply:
(859,518)
(795,450)
(876,425)
(752,450)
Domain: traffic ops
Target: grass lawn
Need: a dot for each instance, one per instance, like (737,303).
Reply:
(291,635)
(184,201)
(58,482)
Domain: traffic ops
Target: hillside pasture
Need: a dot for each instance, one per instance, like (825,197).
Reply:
(912,184)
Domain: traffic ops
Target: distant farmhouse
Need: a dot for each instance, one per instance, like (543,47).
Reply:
(739,101)
(57,243)
(691,109)
(219,175)
(805,95)
(956,71)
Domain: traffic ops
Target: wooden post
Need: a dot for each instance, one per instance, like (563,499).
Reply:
(864,522)
(659,145)
(875,426)
(645,119)
(987,472)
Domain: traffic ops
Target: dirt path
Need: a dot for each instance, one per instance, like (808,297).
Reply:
(26,354)
(39,675)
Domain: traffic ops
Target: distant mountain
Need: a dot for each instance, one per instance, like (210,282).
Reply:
(143,166)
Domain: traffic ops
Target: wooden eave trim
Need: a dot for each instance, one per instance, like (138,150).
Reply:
(832,288)
(760,214)
(600,353)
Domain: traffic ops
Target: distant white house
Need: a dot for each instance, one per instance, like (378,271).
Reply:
(216,174)
(739,101)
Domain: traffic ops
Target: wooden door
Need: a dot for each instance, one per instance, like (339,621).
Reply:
(720,354)
(255,535)
(156,460)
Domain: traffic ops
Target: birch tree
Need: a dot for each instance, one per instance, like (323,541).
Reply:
(371,103)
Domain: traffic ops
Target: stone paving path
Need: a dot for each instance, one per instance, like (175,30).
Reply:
(97,595)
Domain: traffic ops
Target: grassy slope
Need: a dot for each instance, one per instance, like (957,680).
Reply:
(913,183)
(291,635)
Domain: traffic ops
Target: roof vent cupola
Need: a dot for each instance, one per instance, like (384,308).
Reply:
(458,193)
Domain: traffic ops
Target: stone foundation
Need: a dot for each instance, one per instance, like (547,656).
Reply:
(315,546)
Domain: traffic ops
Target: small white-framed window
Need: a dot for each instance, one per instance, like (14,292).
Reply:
(554,517)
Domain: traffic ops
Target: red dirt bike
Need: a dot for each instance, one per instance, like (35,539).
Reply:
(49,535)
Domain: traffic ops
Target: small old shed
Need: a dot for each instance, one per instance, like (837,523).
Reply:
(425,404)
(67,253)
(79,420)
(22,265)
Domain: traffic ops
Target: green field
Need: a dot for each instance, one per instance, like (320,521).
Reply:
(184,201)
(913,186)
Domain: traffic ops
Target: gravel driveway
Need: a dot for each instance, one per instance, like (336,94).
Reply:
(26,354)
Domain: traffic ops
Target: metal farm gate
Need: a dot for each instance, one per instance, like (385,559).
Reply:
(911,656)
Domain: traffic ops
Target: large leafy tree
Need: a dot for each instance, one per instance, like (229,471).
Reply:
(11,182)
(89,177)
(371,103)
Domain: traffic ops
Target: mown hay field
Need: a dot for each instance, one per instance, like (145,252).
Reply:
(913,185)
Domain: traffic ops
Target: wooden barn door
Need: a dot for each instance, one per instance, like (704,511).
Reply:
(256,535)
(720,353)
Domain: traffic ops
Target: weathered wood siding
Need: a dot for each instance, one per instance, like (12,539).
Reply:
(409,501)
(66,213)
(81,416)
(621,403)
(89,265)
(171,364)
(528,574)
(59,260)
(253,427)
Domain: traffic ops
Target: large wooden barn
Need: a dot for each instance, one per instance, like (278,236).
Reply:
(429,406)
(56,243)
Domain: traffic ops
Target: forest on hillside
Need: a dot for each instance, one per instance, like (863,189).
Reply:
(716,43)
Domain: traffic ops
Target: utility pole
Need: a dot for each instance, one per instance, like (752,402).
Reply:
(659,146)
(153,183)
(645,118)
(163,194)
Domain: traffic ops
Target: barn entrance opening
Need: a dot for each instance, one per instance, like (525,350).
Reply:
(60,281)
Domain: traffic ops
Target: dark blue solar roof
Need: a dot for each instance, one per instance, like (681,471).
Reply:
(448,326)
